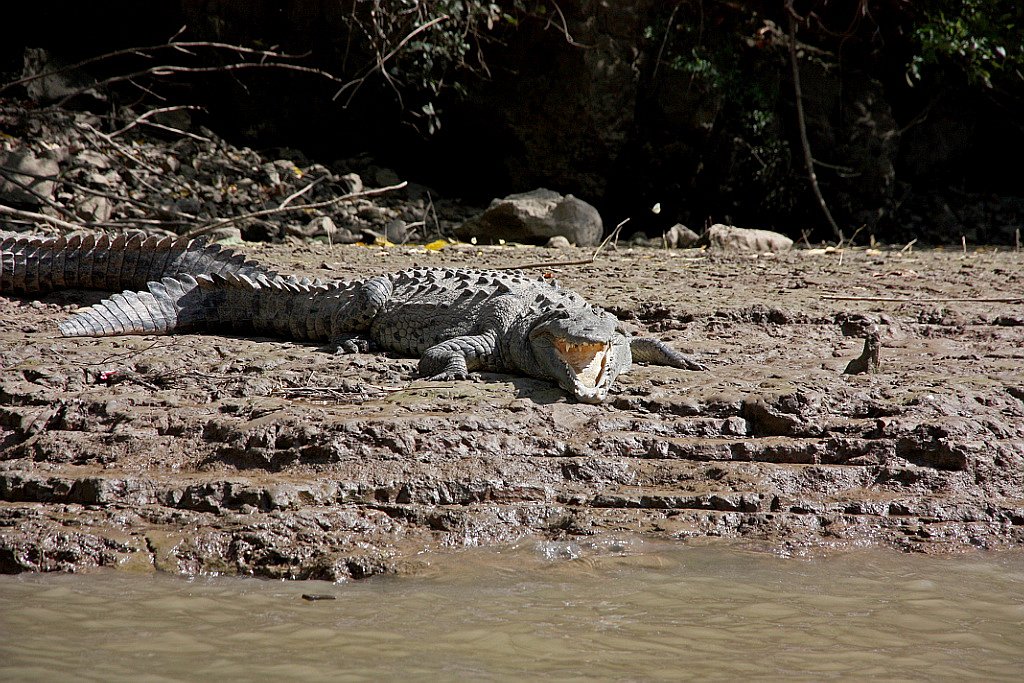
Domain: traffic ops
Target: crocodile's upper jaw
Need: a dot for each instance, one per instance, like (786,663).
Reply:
(584,360)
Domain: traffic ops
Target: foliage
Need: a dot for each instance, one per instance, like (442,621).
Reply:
(424,48)
(719,66)
(980,37)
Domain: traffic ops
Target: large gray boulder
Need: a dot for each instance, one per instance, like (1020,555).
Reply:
(534,218)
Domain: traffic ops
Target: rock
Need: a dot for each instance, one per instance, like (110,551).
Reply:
(228,235)
(88,157)
(36,172)
(868,359)
(534,217)
(558,242)
(321,225)
(354,182)
(680,237)
(396,231)
(94,208)
(732,238)
(385,177)
(54,86)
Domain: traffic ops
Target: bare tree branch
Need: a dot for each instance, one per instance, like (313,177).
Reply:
(802,124)
(172,69)
(379,66)
(144,51)
(154,112)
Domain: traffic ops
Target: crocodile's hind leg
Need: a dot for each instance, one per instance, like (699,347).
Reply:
(656,352)
(455,358)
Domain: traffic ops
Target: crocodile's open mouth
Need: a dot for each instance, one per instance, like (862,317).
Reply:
(587,360)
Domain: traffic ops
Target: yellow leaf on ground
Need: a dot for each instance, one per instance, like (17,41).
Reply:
(436,245)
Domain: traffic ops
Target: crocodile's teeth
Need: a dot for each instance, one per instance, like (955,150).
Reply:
(587,361)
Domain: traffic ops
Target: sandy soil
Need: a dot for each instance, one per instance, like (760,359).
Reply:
(221,454)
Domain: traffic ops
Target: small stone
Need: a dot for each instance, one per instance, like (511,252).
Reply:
(680,237)
(94,208)
(385,177)
(396,231)
(736,426)
(558,242)
(321,225)
(354,182)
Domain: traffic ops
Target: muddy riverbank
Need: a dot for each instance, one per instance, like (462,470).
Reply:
(218,454)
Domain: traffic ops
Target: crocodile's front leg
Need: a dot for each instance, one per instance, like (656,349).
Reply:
(350,323)
(657,352)
(455,358)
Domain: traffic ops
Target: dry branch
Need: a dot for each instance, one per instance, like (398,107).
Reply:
(181,46)
(32,216)
(355,84)
(281,209)
(917,300)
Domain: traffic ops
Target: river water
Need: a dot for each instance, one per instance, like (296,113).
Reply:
(620,610)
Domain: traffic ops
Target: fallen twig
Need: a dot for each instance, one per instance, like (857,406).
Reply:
(298,193)
(31,215)
(916,300)
(582,262)
(172,69)
(281,209)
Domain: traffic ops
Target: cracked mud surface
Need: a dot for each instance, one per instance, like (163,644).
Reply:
(205,453)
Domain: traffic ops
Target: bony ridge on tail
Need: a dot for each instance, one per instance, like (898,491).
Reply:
(455,320)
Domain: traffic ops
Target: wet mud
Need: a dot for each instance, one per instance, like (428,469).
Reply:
(221,454)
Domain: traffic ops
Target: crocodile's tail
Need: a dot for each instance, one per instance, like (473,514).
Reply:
(163,307)
(298,309)
(34,264)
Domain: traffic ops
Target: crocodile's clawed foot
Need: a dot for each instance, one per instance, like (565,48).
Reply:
(345,345)
(656,352)
(453,376)
(690,364)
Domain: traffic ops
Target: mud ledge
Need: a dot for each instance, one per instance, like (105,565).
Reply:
(209,454)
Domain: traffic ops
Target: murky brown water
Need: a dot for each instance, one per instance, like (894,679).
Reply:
(626,611)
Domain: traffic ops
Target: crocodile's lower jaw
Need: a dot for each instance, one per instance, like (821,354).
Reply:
(587,361)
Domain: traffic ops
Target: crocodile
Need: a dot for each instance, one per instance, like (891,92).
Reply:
(455,320)
(36,265)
